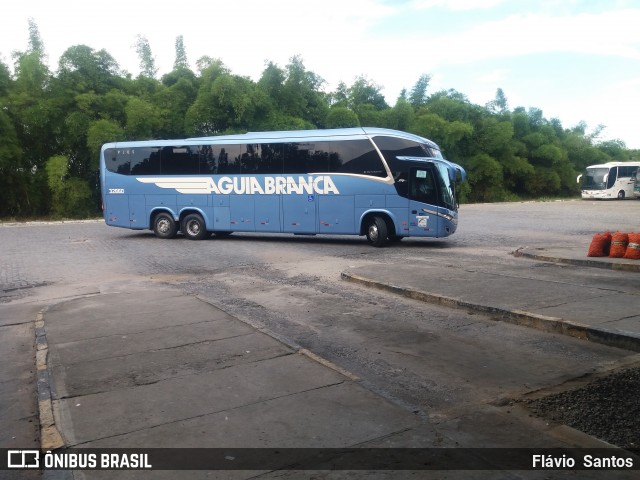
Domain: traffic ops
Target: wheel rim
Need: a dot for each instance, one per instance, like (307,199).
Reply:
(373,233)
(164,225)
(193,228)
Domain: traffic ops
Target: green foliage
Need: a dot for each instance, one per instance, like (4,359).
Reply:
(52,125)
(71,197)
(99,133)
(418,95)
(143,119)
(341,117)
(12,174)
(181,62)
(485,179)
(147,61)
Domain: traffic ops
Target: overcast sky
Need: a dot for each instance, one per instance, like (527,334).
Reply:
(576,60)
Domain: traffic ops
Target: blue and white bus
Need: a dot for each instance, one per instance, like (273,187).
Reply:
(381,183)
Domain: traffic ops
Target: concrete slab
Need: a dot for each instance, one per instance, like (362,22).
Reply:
(123,314)
(119,345)
(600,310)
(154,365)
(17,346)
(122,411)
(338,415)
(16,313)
(589,308)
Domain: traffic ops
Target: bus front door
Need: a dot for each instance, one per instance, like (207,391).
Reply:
(423,198)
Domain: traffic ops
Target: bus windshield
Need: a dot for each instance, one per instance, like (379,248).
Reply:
(446,187)
(594,179)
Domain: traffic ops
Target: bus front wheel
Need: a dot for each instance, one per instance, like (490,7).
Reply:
(621,194)
(377,234)
(164,226)
(193,227)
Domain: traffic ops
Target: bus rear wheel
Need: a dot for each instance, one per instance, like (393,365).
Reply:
(193,227)
(377,232)
(164,226)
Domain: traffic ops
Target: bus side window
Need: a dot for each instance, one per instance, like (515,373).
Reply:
(422,186)
(401,183)
(356,156)
(145,161)
(117,161)
(179,161)
(262,158)
(625,172)
(312,157)
(207,160)
(228,158)
(392,147)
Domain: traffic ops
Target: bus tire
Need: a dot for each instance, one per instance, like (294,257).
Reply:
(193,227)
(164,226)
(621,194)
(377,232)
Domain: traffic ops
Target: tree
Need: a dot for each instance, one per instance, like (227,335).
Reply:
(365,92)
(181,62)
(36,118)
(615,149)
(401,116)
(340,97)
(173,102)
(14,198)
(301,93)
(143,119)
(499,105)
(229,103)
(485,178)
(271,82)
(418,94)
(147,61)
(341,117)
(83,69)
(449,135)
(101,132)
(71,197)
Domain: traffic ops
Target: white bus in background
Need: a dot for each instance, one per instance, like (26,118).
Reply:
(636,184)
(609,180)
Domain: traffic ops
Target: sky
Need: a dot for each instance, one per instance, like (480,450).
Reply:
(576,60)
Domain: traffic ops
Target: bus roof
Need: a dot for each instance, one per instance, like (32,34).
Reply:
(283,136)
(615,164)
(321,133)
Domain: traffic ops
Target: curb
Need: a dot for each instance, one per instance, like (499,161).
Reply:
(612,338)
(50,438)
(609,264)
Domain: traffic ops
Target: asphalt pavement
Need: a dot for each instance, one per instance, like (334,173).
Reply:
(159,368)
